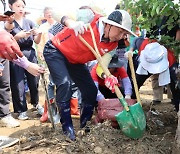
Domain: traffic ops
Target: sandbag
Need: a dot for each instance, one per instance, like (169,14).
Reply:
(108,108)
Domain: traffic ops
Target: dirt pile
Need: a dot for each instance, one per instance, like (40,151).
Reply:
(158,138)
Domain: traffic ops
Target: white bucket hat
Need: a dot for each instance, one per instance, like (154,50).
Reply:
(121,19)
(154,58)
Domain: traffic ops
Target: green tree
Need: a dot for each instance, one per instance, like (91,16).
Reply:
(148,13)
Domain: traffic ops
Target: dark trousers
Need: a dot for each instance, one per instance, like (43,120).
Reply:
(175,90)
(17,76)
(62,72)
(4,89)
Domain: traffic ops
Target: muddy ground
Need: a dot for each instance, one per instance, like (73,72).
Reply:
(37,138)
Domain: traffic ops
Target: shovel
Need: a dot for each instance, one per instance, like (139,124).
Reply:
(48,100)
(136,114)
(132,119)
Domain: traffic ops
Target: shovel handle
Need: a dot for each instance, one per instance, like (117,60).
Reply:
(105,69)
(131,65)
(75,116)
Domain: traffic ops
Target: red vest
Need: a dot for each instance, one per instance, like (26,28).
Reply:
(144,43)
(171,57)
(74,50)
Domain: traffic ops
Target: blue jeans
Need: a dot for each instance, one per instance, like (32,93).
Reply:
(51,88)
(62,72)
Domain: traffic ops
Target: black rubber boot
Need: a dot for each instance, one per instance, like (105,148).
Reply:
(66,120)
(86,114)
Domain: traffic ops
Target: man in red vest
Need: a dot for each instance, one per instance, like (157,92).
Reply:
(66,56)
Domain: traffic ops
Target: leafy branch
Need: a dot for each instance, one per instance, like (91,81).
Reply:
(148,13)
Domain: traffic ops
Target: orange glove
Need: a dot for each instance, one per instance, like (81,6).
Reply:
(110,82)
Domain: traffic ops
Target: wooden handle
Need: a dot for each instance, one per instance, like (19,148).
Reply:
(75,116)
(131,65)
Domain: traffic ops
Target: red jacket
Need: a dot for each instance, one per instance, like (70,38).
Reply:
(72,47)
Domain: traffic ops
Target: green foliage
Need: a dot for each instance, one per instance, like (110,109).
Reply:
(169,42)
(148,13)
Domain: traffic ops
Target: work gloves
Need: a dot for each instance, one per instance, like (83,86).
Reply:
(110,82)
(79,27)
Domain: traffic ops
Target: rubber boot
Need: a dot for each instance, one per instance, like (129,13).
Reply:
(86,114)
(44,117)
(66,121)
(74,106)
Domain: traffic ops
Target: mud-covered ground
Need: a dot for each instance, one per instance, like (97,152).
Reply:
(158,138)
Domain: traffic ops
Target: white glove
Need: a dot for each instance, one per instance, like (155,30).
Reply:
(79,27)
(127,53)
(127,97)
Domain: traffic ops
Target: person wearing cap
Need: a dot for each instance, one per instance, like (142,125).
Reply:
(66,56)
(156,59)
(116,67)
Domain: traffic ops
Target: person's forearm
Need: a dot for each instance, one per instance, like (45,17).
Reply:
(127,86)
(22,62)
(37,38)
(100,96)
